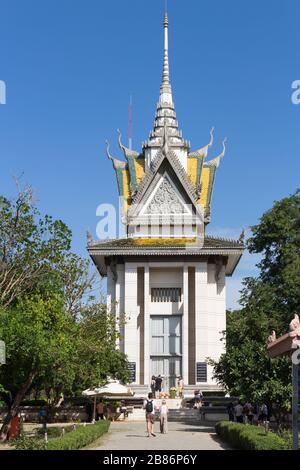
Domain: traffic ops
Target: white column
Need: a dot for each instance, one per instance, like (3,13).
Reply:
(185,326)
(221,311)
(213,335)
(119,307)
(111,291)
(202,320)
(131,344)
(147,326)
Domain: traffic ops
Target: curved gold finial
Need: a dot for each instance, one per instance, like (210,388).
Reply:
(203,151)
(116,163)
(127,151)
(216,161)
(224,146)
(122,147)
(211,137)
(109,156)
(242,236)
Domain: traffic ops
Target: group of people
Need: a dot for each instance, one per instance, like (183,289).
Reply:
(157,386)
(248,413)
(104,411)
(198,399)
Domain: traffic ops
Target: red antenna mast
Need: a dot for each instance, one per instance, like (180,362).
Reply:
(130,123)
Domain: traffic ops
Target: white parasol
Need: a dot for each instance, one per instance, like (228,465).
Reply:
(113,388)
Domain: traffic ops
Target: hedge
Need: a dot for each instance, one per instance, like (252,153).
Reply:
(247,437)
(73,440)
(53,431)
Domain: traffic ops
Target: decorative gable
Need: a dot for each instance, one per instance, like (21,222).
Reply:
(166,200)
(165,204)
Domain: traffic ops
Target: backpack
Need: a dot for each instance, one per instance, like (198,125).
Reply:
(149,406)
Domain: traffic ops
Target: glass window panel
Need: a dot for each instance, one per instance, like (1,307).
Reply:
(157,326)
(157,345)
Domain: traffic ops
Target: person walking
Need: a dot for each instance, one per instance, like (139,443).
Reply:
(238,411)
(158,383)
(163,417)
(149,407)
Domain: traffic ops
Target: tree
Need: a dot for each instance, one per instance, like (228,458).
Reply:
(58,339)
(98,356)
(34,333)
(93,357)
(31,247)
(277,238)
(268,303)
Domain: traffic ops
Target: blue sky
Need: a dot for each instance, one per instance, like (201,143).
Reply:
(70,66)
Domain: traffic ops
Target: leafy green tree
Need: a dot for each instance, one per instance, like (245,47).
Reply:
(34,333)
(277,238)
(58,339)
(93,358)
(31,247)
(268,303)
(97,354)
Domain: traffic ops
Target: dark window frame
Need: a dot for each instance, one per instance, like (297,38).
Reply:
(166,294)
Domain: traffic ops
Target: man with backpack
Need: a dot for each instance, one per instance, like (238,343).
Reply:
(149,407)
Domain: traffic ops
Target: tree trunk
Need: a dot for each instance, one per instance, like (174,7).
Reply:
(15,406)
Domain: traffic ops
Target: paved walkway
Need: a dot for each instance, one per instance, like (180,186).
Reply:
(131,435)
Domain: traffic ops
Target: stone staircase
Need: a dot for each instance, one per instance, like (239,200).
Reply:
(178,415)
(184,415)
(143,390)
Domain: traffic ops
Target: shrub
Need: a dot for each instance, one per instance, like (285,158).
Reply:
(53,431)
(246,437)
(73,440)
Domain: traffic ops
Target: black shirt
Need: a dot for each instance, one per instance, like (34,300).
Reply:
(158,382)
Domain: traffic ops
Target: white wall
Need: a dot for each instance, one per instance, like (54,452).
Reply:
(166,277)
(210,306)
(120,299)
(210,313)
(132,337)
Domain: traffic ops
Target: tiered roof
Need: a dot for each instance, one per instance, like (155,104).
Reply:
(231,250)
(132,171)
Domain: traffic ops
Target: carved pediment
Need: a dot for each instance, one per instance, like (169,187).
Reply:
(166,200)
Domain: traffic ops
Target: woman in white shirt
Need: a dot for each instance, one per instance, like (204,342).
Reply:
(164,417)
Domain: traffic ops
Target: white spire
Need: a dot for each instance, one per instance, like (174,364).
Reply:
(165,113)
(165,89)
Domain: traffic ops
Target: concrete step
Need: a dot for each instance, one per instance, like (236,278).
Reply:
(140,390)
(186,415)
